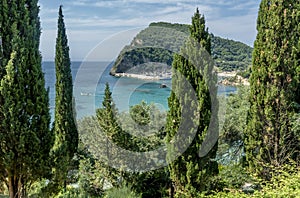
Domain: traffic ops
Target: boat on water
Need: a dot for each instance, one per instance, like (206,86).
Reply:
(163,85)
(85,94)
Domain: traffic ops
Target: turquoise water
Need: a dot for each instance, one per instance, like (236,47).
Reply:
(89,83)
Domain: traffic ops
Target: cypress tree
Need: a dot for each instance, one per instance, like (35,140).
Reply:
(7,17)
(25,138)
(275,88)
(64,126)
(108,124)
(191,172)
(107,116)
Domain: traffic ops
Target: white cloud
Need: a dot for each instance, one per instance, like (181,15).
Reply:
(90,21)
(96,22)
(109,3)
(249,5)
(80,2)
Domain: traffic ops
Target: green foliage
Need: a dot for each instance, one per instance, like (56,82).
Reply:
(64,126)
(285,183)
(36,189)
(122,192)
(71,192)
(230,55)
(127,134)
(123,130)
(91,179)
(158,43)
(234,176)
(140,113)
(64,123)
(139,56)
(154,183)
(25,137)
(178,27)
(246,73)
(92,172)
(231,146)
(145,123)
(190,173)
(274,95)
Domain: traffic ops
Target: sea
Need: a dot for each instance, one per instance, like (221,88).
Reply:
(89,79)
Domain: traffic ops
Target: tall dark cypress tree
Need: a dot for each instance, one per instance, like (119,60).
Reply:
(25,138)
(8,16)
(275,87)
(191,172)
(64,127)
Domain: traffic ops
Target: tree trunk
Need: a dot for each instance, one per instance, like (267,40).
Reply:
(13,187)
(171,190)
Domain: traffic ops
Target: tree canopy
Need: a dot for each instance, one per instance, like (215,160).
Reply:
(158,43)
(191,115)
(25,138)
(270,138)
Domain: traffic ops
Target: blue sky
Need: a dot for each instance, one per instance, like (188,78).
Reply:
(91,23)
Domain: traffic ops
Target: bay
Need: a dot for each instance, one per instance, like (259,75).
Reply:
(89,80)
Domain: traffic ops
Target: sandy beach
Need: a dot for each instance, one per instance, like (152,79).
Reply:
(227,74)
(165,76)
(143,77)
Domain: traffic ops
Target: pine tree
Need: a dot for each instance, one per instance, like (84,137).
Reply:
(64,126)
(191,172)
(25,138)
(275,87)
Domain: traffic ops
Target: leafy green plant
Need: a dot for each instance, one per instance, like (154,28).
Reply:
(140,113)
(234,176)
(284,183)
(123,192)
(231,145)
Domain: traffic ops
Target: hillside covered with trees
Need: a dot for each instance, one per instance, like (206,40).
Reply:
(194,149)
(159,42)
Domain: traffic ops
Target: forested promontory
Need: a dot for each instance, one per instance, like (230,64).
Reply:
(158,43)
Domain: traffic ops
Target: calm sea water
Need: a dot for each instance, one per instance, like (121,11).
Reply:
(89,84)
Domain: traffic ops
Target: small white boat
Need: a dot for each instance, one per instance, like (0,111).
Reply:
(85,94)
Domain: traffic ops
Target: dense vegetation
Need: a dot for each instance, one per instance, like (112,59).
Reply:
(30,150)
(271,138)
(161,40)
(25,137)
(230,55)
(141,56)
(256,153)
(64,125)
(231,145)
(193,93)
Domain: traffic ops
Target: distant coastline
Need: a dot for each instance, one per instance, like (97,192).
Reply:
(144,76)
(227,78)
(232,79)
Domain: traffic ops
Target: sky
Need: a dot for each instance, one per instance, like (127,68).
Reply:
(98,29)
